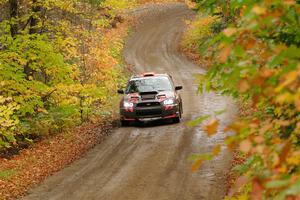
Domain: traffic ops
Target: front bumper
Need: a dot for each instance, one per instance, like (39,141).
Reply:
(150,113)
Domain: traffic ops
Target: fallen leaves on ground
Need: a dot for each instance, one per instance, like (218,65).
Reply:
(50,155)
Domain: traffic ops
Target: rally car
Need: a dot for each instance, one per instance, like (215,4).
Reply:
(149,97)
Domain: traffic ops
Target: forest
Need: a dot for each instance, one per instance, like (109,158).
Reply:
(252,52)
(59,65)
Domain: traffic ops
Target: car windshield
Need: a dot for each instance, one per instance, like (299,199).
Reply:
(149,84)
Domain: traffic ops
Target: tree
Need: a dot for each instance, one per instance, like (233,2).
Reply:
(256,58)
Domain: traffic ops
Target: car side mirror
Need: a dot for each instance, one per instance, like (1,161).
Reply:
(178,88)
(120,91)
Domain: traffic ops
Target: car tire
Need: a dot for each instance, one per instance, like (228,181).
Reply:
(125,123)
(176,120)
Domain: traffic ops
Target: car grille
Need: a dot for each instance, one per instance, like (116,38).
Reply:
(149,112)
(147,104)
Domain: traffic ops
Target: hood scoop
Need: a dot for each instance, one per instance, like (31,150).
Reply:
(148,95)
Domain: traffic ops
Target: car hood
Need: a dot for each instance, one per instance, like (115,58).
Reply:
(149,96)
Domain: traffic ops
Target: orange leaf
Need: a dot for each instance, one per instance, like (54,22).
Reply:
(289,2)
(196,165)
(229,31)
(242,180)
(255,100)
(285,151)
(259,139)
(249,44)
(211,127)
(258,80)
(265,128)
(266,73)
(259,149)
(245,146)
(257,190)
(243,86)
(224,54)
(275,160)
(297,104)
(216,150)
(282,169)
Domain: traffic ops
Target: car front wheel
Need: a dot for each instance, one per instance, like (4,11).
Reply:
(125,123)
(176,120)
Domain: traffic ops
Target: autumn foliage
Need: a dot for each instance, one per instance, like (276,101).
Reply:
(60,63)
(254,55)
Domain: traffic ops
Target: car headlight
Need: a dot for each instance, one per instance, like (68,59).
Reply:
(127,104)
(169,102)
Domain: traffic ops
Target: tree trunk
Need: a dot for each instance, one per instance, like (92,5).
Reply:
(13,11)
(35,18)
(33,29)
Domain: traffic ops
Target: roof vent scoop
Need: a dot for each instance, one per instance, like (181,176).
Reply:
(148,74)
(148,93)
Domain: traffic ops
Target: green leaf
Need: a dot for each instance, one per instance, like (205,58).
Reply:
(198,120)
(277,184)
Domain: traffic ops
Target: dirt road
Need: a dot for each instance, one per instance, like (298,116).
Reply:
(150,162)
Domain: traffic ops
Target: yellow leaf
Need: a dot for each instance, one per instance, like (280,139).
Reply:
(245,146)
(293,160)
(259,10)
(282,169)
(190,4)
(42,110)
(289,79)
(286,97)
(283,122)
(211,127)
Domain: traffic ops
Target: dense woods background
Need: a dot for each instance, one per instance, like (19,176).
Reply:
(252,52)
(60,65)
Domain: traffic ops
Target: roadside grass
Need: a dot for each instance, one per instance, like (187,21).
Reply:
(158,1)
(195,37)
(7,174)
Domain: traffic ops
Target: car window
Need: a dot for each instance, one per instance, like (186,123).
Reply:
(149,84)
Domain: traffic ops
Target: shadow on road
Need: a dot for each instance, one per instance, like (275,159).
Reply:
(150,124)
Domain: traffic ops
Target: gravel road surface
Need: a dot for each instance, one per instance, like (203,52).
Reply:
(150,162)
